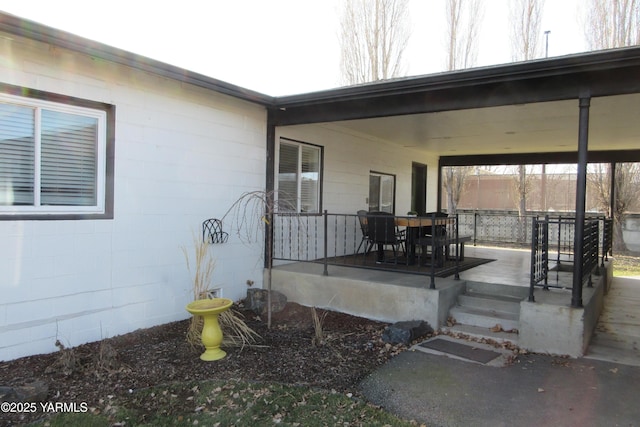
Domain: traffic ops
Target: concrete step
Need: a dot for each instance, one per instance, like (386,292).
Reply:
(486,318)
(613,354)
(518,292)
(478,332)
(615,340)
(501,303)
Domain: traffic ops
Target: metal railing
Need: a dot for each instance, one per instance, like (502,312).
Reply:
(560,231)
(506,228)
(591,250)
(342,239)
(347,240)
(607,239)
(539,255)
(496,227)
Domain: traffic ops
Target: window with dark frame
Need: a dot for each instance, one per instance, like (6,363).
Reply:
(299,177)
(53,157)
(382,192)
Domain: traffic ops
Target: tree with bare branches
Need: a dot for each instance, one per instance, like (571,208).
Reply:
(522,187)
(453,178)
(526,19)
(627,178)
(612,23)
(373,36)
(464,18)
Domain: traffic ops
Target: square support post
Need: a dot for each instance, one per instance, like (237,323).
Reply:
(581,190)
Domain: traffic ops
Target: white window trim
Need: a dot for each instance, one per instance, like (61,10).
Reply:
(284,140)
(380,193)
(101,117)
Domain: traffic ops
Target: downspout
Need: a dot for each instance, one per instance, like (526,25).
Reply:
(581,191)
(270,196)
(439,191)
(612,189)
(270,178)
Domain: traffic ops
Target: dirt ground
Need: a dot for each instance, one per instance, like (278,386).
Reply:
(95,372)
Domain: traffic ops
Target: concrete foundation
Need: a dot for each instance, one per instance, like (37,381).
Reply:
(551,325)
(378,295)
(548,325)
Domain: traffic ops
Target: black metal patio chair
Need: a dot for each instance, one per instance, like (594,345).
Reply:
(433,239)
(382,231)
(362,218)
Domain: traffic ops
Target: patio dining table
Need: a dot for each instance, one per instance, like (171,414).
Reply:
(415,226)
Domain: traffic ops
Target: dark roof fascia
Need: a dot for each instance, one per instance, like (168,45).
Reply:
(601,73)
(548,67)
(32,30)
(564,157)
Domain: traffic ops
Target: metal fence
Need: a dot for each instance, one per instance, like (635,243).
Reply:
(365,242)
(539,255)
(548,232)
(509,228)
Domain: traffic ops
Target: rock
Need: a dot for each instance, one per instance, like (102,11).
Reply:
(34,391)
(257,301)
(405,332)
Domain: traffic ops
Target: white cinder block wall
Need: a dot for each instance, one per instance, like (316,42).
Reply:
(182,154)
(348,160)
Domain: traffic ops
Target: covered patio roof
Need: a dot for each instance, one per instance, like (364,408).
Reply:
(508,110)
(572,109)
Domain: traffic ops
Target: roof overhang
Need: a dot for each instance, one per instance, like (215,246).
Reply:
(603,73)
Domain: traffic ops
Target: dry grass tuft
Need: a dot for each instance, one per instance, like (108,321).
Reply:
(236,333)
(194,333)
(203,268)
(202,271)
(318,327)
(67,361)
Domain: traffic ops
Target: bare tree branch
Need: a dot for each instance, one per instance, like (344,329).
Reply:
(627,178)
(526,19)
(373,36)
(464,18)
(453,178)
(612,24)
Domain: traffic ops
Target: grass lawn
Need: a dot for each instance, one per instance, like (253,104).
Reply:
(626,265)
(218,403)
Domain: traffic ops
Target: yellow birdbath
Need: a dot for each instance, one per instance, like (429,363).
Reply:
(209,309)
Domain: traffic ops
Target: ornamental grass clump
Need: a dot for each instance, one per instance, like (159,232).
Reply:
(236,333)
(202,272)
(318,327)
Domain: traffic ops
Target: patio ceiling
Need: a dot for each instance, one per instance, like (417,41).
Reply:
(548,127)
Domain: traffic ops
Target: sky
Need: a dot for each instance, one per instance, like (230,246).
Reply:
(278,47)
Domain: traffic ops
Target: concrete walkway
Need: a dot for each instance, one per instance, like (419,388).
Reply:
(617,334)
(598,390)
(536,391)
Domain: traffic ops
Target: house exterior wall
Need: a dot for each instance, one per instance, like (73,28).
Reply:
(182,154)
(348,160)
